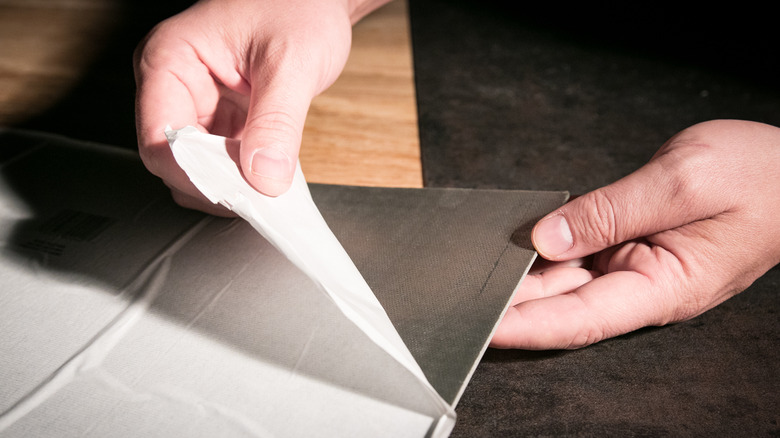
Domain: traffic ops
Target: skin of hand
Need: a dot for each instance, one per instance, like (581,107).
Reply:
(245,69)
(693,227)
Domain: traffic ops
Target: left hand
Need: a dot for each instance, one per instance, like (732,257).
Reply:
(693,227)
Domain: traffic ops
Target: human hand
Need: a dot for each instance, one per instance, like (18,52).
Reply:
(245,69)
(690,229)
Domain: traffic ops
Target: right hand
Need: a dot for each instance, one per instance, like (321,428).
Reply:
(690,229)
(245,69)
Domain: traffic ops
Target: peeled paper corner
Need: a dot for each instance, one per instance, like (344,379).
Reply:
(292,223)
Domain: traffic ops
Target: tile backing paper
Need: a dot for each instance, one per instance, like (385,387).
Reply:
(292,223)
(125,315)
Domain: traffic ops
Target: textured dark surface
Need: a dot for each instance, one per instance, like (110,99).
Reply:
(550,98)
(533,99)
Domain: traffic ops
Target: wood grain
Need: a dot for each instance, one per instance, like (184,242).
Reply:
(45,46)
(363,129)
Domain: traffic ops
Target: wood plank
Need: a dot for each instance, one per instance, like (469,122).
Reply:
(45,47)
(363,129)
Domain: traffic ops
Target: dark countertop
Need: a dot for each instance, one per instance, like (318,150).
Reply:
(544,99)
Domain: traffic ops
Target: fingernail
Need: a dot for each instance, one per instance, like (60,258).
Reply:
(272,163)
(552,236)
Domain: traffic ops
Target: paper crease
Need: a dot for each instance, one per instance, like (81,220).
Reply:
(143,290)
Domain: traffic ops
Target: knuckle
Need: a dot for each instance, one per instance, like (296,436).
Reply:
(273,126)
(587,336)
(682,303)
(685,182)
(686,308)
(147,155)
(154,159)
(598,223)
(161,48)
(689,171)
(592,327)
(281,57)
(180,199)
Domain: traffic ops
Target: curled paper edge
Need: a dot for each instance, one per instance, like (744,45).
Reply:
(293,224)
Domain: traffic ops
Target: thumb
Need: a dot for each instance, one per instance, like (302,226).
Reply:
(662,195)
(272,135)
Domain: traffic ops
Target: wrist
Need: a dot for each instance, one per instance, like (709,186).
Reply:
(360,8)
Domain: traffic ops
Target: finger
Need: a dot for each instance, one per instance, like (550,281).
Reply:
(670,276)
(199,203)
(608,306)
(540,264)
(165,98)
(663,194)
(555,281)
(279,101)
(153,115)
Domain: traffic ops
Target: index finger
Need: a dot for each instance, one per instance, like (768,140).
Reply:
(608,306)
(165,97)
